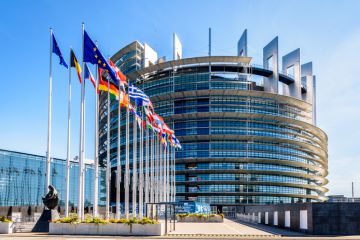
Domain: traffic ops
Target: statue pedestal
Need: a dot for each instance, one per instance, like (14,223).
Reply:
(42,225)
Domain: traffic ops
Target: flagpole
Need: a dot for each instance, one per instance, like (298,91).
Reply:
(162,177)
(134,177)
(48,151)
(152,173)
(158,158)
(173,173)
(167,175)
(83,157)
(118,164)
(156,150)
(141,169)
(68,148)
(81,141)
(147,180)
(96,148)
(108,161)
(159,172)
(164,172)
(127,167)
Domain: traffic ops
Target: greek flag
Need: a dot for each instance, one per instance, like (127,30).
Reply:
(139,96)
(174,141)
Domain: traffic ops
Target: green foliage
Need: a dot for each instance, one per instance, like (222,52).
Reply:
(132,221)
(4,219)
(199,216)
(96,220)
(182,215)
(72,218)
(146,220)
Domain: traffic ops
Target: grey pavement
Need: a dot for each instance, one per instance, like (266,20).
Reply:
(229,229)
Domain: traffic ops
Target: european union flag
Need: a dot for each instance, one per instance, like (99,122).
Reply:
(94,56)
(56,50)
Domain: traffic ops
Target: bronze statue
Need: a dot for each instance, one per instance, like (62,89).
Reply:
(51,199)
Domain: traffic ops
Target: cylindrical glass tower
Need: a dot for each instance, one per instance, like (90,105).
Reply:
(243,142)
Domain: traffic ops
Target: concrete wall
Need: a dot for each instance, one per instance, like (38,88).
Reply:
(312,218)
(336,218)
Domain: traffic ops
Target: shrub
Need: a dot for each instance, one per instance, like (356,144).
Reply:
(146,220)
(132,221)
(4,219)
(98,220)
(72,218)
(199,216)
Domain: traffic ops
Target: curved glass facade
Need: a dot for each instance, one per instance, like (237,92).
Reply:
(241,144)
(22,180)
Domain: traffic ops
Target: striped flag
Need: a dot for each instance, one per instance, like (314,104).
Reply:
(121,77)
(103,86)
(75,64)
(88,75)
(139,96)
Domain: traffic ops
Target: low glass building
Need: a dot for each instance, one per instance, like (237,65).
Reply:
(22,180)
(248,131)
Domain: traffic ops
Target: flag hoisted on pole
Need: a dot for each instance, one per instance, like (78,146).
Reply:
(147,153)
(153,177)
(82,140)
(134,176)
(141,169)
(54,48)
(96,147)
(75,64)
(152,169)
(158,171)
(48,151)
(127,165)
(88,75)
(67,188)
(108,161)
(118,163)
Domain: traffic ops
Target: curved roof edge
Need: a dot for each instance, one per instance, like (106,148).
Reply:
(188,61)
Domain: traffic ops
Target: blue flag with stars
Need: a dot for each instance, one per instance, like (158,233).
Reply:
(94,56)
(56,50)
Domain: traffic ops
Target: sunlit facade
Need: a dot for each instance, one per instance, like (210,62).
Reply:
(248,132)
(22,180)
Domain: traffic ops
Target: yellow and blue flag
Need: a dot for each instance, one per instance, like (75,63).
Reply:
(56,50)
(93,55)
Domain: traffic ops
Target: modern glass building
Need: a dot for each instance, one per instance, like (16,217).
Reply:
(248,131)
(22,180)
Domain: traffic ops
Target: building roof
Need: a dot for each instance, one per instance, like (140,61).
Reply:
(189,61)
(130,47)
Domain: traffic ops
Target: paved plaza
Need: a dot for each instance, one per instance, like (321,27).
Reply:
(229,229)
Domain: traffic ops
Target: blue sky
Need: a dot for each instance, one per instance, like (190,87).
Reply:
(328,33)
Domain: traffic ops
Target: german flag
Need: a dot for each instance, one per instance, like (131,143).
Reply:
(103,86)
(74,63)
